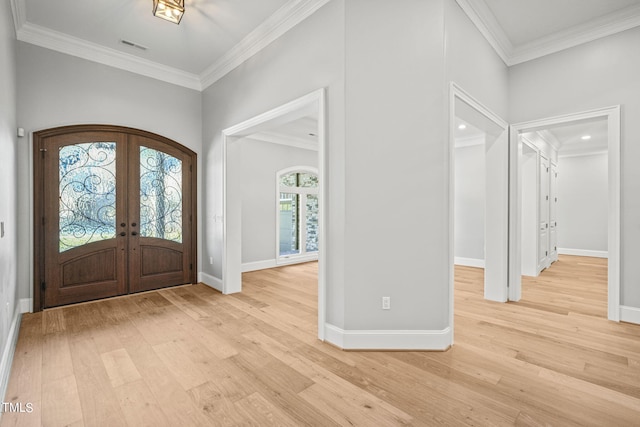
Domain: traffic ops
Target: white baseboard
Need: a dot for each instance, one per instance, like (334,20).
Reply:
(469,262)
(258,265)
(388,339)
(211,281)
(26,305)
(9,351)
(272,263)
(296,259)
(630,314)
(583,252)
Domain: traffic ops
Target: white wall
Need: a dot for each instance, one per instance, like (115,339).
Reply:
(472,63)
(582,203)
(388,129)
(397,198)
(260,163)
(57,89)
(8,188)
(469,204)
(308,57)
(594,75)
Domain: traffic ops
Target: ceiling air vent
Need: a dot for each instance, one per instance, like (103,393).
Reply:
(132,44)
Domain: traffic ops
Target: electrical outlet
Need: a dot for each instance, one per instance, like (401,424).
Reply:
(386,303)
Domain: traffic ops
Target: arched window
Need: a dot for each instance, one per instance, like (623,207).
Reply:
(297,213)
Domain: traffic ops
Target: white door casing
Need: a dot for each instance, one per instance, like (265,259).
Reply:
(232,250)
(496,203)
(612,115)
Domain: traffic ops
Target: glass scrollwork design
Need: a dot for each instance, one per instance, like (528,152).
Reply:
(160,195)
(87,194)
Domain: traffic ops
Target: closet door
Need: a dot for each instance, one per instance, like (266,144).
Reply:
(543,215)
(553,209)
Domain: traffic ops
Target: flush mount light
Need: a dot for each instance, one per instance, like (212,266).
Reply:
(462,126)
(170,10)
(585,137)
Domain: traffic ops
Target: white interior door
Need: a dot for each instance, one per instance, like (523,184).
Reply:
(553,210)
(529,209)
(543,215)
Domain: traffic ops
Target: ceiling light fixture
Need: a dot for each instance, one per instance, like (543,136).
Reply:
(462,126)
(585,137)
(170,10)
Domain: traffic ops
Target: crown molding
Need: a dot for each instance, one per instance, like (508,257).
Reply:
(592,152)
(19,12)
(285,18)
(482,17)
(603,26)
(74,46)
(549,138)
(469,141)
(283,139)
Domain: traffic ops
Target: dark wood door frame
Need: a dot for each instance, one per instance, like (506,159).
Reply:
(39,148)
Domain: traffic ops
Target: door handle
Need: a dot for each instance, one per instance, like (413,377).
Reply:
(133,233)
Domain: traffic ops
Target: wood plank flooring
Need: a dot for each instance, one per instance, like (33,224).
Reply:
(189,356)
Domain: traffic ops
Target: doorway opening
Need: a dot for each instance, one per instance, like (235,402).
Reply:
(296,130)
(114,213)
(566,198)
(478,230)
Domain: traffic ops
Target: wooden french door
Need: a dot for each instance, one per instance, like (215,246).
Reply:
(114,213)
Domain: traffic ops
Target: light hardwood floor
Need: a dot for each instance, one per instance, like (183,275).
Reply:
(191,356)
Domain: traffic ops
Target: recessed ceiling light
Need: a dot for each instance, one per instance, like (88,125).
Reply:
(462,126)
(585,137)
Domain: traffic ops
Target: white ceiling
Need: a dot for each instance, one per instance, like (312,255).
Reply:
(300,133)
(570,136)
(216,36)
(208,30)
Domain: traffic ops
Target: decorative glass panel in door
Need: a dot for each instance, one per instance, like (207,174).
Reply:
(160,245)
(87,187)
(160,195)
